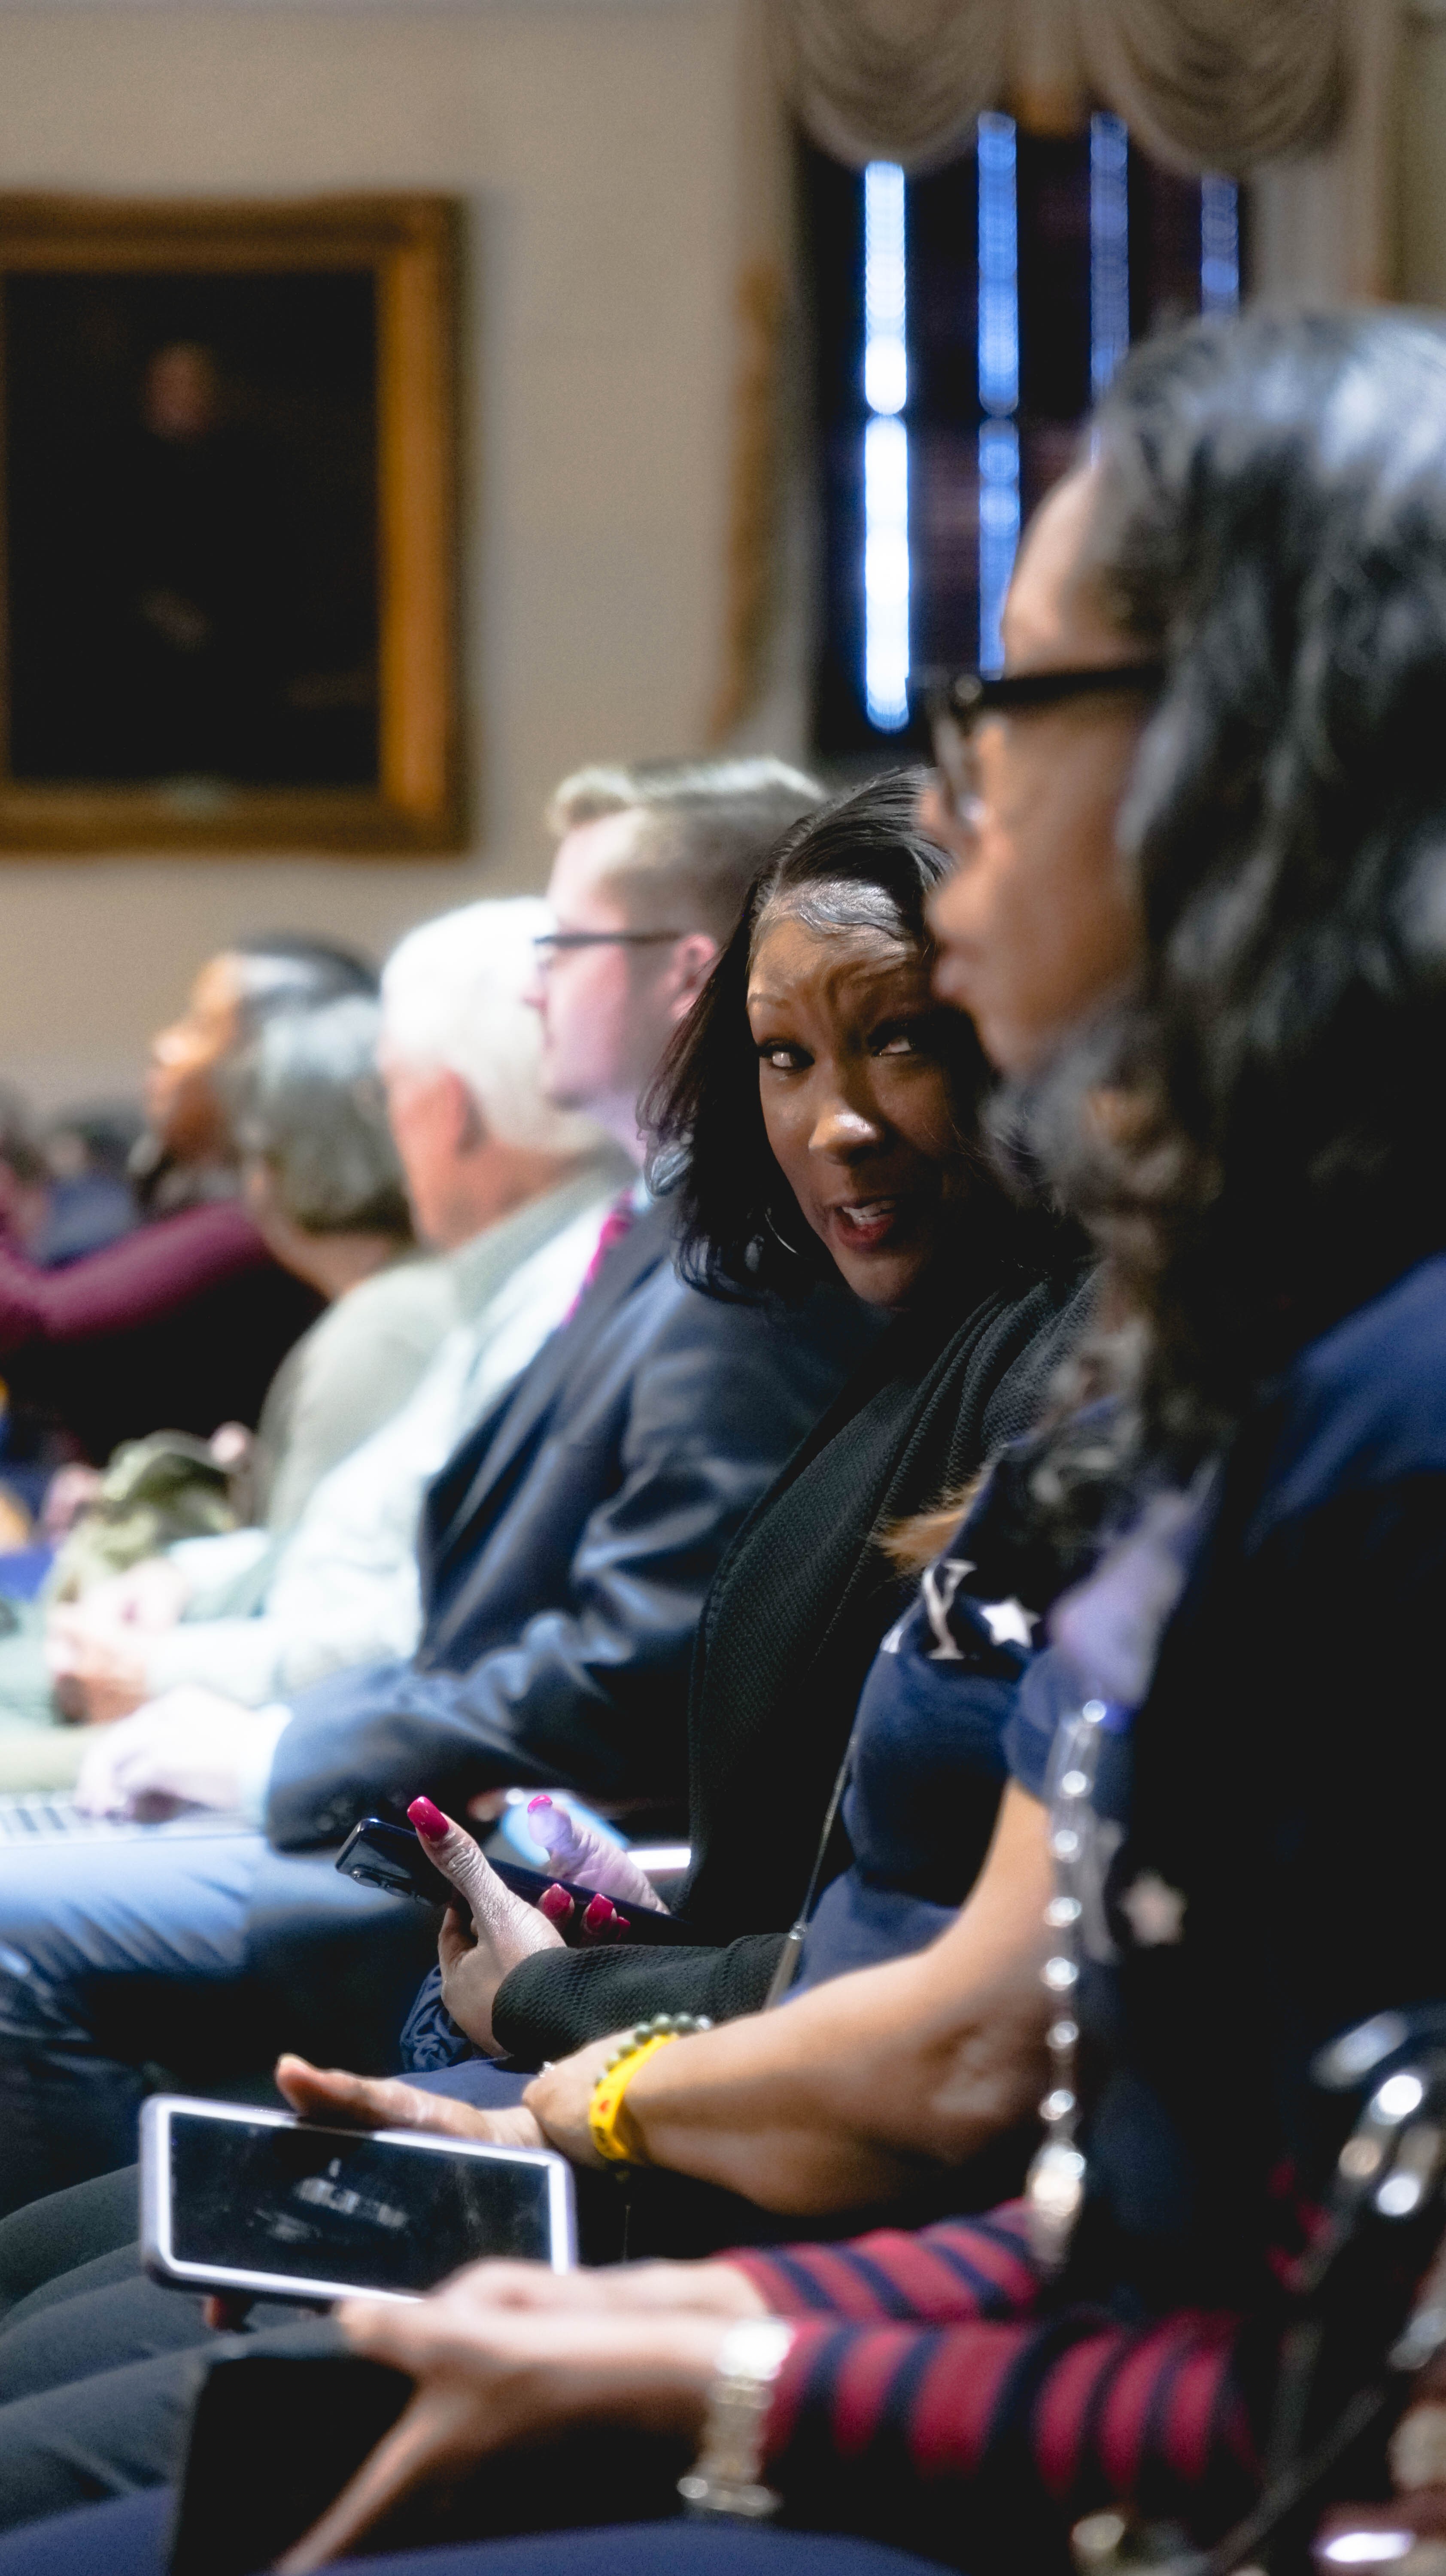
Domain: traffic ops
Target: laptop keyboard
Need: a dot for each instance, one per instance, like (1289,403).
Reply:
(39,1815)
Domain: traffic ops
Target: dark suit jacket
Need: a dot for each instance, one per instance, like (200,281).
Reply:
(566,1549)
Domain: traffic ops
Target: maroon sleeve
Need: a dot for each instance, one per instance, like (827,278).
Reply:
(141,1280)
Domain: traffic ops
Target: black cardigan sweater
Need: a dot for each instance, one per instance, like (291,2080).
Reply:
(793,1621)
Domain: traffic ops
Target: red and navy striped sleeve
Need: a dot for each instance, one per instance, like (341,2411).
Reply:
(936,2436)
(964,2268)
(930,2392)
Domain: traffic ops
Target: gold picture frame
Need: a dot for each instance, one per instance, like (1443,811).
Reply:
(294,479)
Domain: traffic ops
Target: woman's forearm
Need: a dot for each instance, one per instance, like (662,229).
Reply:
(842,2097)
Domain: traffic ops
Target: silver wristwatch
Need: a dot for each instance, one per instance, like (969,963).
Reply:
(725,2476)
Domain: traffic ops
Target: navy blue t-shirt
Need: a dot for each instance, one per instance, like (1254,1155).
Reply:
(926,1774)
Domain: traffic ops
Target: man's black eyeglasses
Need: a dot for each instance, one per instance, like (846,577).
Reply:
(550,943)
(972,695)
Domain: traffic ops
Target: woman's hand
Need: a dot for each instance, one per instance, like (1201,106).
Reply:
(560,2098)
(97,1648)
(189,1748)
(385,2102)
(715,2288)
(474,1958)
(491,2377)
(98,1673)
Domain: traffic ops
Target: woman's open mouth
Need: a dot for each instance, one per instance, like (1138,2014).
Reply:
(866,1225)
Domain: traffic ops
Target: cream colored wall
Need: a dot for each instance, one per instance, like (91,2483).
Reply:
(1423,154)
(597,146)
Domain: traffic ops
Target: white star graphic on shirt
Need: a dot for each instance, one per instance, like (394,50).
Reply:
(1008,1622)
(1155,1913)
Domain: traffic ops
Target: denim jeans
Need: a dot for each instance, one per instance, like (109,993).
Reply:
(164,1955)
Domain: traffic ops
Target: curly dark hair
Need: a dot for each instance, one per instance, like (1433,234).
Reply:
(1256,1136)
(858,862)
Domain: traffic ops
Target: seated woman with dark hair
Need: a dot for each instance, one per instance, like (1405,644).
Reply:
(182,1324)
(818,1110)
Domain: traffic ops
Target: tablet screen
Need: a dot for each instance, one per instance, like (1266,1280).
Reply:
(319,2205)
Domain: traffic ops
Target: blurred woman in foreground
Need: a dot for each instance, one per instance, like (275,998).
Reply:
(1200,919)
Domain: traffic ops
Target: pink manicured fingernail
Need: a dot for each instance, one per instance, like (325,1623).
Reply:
(542,1800)
(555,1903)
(429,1820)
(600,1912)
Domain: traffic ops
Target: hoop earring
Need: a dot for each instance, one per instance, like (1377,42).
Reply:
(781,1240)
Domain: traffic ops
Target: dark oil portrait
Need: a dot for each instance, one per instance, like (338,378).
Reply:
(227,533)
(192,528)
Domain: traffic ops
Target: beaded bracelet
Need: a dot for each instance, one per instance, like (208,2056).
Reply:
(613,2135)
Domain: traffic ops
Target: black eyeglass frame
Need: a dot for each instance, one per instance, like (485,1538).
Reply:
(551,943)
(965,701)
(972,694)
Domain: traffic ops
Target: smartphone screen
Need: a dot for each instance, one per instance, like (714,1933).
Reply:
(323,2209)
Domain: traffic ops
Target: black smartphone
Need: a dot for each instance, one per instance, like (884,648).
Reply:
(394,1857)
(275,2207)
(379,1854)
(277,2433)
(311,2414)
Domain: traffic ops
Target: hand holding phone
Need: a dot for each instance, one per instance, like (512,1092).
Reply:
(493,2380)
(394,1857)
(474,1958)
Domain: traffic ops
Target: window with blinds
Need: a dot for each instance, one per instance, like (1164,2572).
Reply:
(963,323)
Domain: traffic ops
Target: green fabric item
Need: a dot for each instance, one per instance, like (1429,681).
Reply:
(165,1487)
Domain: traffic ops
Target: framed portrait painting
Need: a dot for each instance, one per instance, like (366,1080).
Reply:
(227,502)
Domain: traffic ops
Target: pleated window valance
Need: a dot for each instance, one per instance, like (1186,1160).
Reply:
(1205,84)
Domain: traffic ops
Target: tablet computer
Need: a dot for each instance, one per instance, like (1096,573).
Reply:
(266,2205)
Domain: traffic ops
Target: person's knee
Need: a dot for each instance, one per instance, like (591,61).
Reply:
(104,2436)
(51,2237)
(141,1905)
(100,2317)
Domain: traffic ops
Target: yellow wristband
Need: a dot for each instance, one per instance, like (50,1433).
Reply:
(611,2130)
